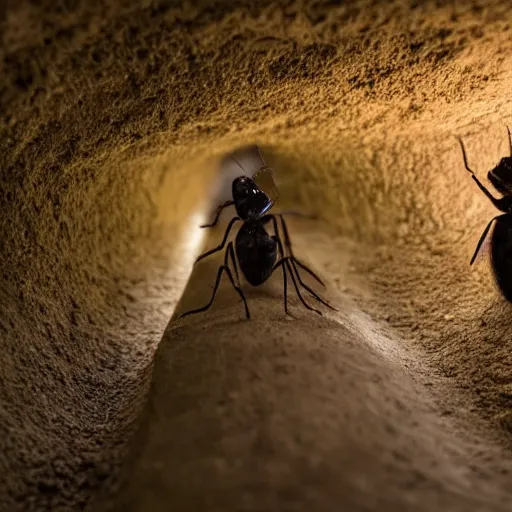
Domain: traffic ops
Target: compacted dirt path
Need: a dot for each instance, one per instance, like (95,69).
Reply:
(113,118)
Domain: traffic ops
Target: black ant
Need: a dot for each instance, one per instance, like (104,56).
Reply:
(501,238)
(255,249)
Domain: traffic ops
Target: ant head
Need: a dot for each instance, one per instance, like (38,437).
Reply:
(250,201)
(501,176)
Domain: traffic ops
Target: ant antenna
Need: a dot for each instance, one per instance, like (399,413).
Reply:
(465,157)
(509,140)
(263,160)
(239,164)
(261,156)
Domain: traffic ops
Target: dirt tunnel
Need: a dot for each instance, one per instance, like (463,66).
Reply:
(114,117)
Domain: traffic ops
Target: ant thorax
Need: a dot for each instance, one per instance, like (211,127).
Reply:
(501,176)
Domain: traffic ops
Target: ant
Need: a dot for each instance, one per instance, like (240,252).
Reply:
(257,251)
(501,238)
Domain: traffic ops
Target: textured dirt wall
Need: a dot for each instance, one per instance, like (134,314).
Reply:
(112,117)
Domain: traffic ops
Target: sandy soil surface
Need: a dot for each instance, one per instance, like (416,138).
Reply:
(113,116)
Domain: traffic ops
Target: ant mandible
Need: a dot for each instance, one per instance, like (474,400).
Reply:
(257,251)
(501,238)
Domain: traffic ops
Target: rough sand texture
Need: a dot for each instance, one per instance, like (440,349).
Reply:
(111,116)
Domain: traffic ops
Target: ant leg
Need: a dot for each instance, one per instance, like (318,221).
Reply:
(464,156)
(509,140)
(294,260)
(304,285)
(482,238)
(239,291)
(296,213)
(500,203)
(308,270)
(215,288)
(217,214)
(280,263)
(221,245)
(503,204)
(231,253)
(277,236)
(288,244)
(287,263)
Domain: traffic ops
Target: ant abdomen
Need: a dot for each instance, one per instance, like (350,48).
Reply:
(501,255)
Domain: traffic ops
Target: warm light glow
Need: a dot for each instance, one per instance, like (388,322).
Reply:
(193,236)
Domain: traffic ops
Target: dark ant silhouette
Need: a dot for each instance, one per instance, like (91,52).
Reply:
(501,238)
(257,251)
